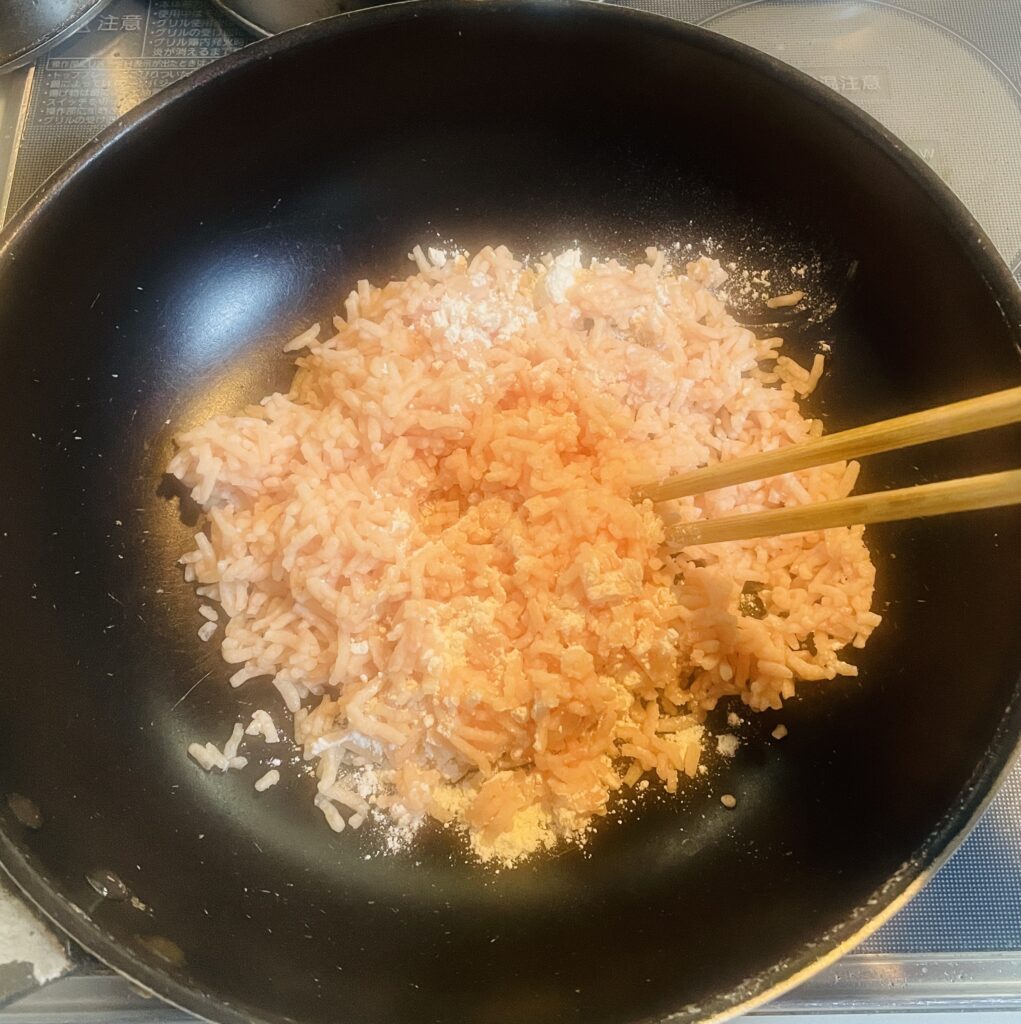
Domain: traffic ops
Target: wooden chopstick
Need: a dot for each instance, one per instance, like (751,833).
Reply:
(991,490)
(995,410)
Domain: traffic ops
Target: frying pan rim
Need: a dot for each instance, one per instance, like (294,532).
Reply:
(250,26)
(946,835)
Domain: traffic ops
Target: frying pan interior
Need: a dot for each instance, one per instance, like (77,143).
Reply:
(155,285)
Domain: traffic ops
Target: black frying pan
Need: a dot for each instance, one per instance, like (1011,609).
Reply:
(248,198)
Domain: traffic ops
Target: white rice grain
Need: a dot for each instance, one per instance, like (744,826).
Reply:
(216,758)
(230,748)
(287,690)
(201,755)
(262,725)
(303,340)
(333,817)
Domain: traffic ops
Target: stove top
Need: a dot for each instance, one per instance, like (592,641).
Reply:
(945,75)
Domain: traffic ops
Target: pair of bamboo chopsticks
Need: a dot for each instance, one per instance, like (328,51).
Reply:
(987,491)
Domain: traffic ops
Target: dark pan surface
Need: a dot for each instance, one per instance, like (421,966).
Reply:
(248,200)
